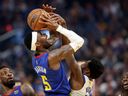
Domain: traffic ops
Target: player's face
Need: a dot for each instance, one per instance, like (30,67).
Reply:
(42,40)
(46,41)
(7,77)
(85,69)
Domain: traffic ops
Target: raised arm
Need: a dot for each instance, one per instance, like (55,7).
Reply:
(50,22)
(75,40)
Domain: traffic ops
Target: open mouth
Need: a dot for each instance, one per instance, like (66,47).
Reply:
(10,79)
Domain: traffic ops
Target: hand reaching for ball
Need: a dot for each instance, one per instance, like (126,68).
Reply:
(48,8)
(57,17)
(39,19)
(48,23)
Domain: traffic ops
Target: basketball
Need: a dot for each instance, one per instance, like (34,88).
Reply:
(34,17)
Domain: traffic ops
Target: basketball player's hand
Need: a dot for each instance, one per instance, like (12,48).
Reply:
(48,23)
(48,8)
(125,81)
(58,19)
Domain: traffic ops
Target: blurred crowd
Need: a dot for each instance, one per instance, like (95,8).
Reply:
(102,23)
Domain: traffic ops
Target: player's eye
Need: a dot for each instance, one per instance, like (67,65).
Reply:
(11,72)
(3,73)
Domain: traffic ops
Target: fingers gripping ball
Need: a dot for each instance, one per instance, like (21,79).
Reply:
(60,20)
(34,17)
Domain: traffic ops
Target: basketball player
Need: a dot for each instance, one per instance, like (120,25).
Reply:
(7,84)
(82,77)
(48,64)
(92,69)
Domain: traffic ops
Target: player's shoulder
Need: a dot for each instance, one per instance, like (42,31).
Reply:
(87,80)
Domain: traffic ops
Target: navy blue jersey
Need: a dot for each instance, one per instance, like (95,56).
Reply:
(16,92)
(55,82)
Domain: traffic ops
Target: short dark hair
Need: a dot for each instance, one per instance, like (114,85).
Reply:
(96,68)
(28,40)
(4,66)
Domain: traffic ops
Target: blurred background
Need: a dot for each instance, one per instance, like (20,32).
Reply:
(103,22)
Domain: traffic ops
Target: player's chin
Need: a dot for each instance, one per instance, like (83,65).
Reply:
(11,83)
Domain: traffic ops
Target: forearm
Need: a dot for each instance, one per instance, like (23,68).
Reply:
(76,41)
(76,77)
(57,55)
(75,69)
(61,53)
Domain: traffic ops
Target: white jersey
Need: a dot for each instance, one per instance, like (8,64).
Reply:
(86,90)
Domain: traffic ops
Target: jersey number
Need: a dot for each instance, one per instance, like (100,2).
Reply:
(46,84)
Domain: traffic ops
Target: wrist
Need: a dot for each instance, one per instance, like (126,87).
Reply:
(59,28)
(53,27)
(56,27)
